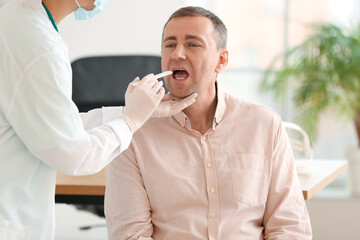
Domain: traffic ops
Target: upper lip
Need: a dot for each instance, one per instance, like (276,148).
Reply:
(178,68)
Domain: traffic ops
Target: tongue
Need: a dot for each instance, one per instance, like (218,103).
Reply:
(181,75)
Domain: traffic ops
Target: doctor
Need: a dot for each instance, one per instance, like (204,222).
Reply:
(41,130)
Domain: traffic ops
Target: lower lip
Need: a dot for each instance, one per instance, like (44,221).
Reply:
(179,80)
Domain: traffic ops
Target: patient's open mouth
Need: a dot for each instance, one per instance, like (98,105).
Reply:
(180,74)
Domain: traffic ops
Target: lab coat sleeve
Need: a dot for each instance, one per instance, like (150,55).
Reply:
(100,116)
(286,216)
(127,207)
(48,123)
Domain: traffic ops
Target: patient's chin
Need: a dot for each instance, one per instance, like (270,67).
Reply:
(179,92)
(179,95)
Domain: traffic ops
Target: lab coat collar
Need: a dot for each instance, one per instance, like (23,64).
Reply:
(183,120)
(34,4)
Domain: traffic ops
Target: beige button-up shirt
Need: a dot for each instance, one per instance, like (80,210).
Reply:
(237,181)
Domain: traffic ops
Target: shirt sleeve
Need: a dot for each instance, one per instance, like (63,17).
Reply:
(127,207)
(285,216)
(48,123)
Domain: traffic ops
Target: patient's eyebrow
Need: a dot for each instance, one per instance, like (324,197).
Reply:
(169,38)
(194,37)
(187,37)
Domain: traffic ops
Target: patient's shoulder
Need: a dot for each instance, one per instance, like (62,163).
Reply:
(245,107)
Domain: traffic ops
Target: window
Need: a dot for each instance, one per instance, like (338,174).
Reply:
(259,30)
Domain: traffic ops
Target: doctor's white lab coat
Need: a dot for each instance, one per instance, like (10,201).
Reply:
(41,131)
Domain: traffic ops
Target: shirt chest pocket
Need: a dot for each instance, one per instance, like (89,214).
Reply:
(249,174)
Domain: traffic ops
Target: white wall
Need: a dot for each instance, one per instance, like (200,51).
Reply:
(124,27)
(3,2)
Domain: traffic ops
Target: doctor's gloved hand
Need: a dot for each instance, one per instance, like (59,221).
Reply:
(171,105)
(141,101)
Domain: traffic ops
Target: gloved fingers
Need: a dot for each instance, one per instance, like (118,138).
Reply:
(161,92)
(177,107)
(189,98)
(168,97)
(137,79)
(131,87)
(148,80)
(157,86)
(180,104)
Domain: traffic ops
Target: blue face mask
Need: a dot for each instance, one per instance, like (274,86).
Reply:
(82,14)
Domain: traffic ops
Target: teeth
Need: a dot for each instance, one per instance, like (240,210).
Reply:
(177,70)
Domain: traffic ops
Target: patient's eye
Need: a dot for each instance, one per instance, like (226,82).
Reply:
(193,45)
(170,45)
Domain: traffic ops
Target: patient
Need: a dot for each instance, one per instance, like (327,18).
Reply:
(221,169)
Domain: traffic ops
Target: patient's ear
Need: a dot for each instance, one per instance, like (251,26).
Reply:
(223,60)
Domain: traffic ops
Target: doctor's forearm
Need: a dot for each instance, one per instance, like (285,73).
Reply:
(91,152)
(100,116)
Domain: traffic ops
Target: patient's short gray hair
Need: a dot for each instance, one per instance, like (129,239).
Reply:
(220,28)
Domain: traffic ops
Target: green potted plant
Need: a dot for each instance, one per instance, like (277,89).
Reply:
(323,74)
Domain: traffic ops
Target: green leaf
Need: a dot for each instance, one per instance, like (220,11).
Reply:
(323,73)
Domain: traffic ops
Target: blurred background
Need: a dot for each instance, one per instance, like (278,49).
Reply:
(258,31)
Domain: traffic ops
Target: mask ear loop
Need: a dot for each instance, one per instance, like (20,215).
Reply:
(78,3)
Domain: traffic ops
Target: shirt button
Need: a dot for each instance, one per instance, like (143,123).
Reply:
(107,219)
(212,189)
(204,138)
(209,164)
(213,215)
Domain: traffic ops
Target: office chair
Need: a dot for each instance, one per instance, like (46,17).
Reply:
(102,81)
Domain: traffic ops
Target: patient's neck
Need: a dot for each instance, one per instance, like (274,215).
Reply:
(60,9)
(201,113)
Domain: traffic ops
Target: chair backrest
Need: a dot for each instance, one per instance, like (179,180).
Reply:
(300,144)
(103,80)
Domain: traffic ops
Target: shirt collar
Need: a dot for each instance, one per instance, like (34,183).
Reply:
(220,108)
(183,120)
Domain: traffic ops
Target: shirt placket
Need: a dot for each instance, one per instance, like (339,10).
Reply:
(212,187)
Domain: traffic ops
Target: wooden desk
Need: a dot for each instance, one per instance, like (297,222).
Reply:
(320,174)
(317,176)
(81,185)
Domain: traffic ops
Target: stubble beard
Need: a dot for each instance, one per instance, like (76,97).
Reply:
(180,93)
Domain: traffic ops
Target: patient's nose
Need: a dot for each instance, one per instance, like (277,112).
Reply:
(179,52)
